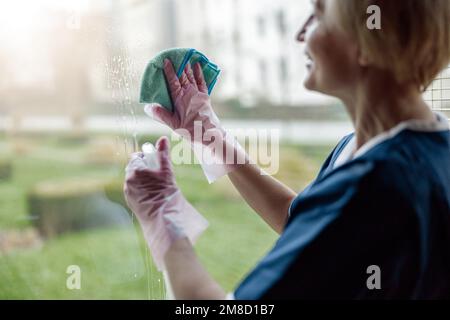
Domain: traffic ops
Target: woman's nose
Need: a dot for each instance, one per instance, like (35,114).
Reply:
(302,33)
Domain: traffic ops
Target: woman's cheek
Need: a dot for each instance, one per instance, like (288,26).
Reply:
(333,65)
(314,69)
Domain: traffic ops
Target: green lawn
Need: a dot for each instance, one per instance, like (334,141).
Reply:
(115,263)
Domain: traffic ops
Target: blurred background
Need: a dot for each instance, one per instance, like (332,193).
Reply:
(69,118)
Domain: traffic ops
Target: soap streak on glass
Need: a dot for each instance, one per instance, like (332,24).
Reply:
(122,75)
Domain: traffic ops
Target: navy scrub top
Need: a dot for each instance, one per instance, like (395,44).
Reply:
(389,207)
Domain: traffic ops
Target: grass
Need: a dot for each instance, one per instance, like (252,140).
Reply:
(115,263)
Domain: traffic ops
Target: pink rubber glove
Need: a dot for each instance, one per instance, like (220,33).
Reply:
(163,212)
(195,120)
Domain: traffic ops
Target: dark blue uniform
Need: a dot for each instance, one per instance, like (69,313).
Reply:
(389,207)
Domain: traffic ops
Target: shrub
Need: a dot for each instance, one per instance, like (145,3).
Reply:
(58,207)
(6,169)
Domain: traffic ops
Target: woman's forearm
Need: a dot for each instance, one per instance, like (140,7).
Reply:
(188,278)
(266,195)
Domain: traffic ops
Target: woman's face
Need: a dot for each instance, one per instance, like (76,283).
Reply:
(332,65)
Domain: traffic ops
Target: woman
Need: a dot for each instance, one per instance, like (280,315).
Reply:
(380,205)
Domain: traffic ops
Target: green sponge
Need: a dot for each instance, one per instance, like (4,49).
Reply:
(154,87)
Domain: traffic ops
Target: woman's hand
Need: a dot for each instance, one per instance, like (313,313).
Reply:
(195,120)
(144,185)
(170,225)
(163,213)
(192,105)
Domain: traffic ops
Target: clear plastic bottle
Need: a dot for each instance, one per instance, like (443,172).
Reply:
(150,156)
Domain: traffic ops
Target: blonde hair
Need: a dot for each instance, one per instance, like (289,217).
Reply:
(414,39)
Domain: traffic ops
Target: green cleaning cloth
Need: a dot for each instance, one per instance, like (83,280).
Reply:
(154,87)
